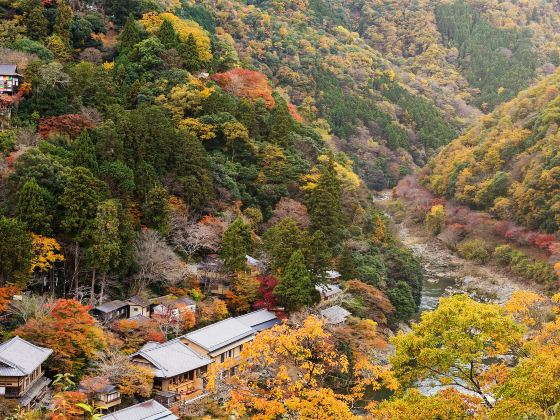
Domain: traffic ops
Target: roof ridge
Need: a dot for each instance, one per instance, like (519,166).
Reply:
(252,312)
(211,325)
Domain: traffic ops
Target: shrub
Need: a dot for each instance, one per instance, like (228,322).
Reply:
(435,219)
(474,250)
(538,271)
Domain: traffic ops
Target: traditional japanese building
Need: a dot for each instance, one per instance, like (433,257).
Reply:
(10,79)
(21,372)
(178,370)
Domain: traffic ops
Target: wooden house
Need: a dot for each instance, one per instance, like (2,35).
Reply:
(172,306)
(111,311)
(10,79)
(328,291)
(104,394)
(220,341)
(138,305)
(21,372)
(178,370)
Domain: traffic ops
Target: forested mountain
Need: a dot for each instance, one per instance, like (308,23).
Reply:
(198,160)
(508,162)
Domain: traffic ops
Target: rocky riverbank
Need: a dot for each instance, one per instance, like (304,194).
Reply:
(446,272)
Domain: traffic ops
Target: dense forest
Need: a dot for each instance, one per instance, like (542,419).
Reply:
(222,156)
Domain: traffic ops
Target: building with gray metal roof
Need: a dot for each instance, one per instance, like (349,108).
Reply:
(171,358)
(220,334)
(259,320)
(21,374)
(335,315)
(148,410)
(20,358)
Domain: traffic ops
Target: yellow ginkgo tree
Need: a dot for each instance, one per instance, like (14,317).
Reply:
(46,253)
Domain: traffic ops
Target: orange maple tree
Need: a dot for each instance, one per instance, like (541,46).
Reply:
(247,84)
(69,124)
(70,331)
(6,295)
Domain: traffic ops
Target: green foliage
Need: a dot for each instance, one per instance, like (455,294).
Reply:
(79,201)
(105,247)
(32,209)
(295,288)
(521,264)
(474,250)
(237,242)
(281,241)
(84,153)
(325,204)
(403,266)
(155,210)
(499,62)
(15,252)
(401,298)
(429,122)
(130,35)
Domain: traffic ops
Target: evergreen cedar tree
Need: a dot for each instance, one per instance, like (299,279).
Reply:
(295,288)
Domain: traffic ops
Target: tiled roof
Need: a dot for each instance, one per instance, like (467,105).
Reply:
(111,306)
(335,314)
(172,358)
(328,290)
(220,334)
(148,410)
(259,320)
(20,358)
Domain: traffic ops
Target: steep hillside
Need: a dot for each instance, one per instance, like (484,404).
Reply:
(339,83)
(509,162)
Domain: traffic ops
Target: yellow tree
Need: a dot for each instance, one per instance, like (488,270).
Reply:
(451,344)
(448,404)
(46,252)
(282,373)
(528,307)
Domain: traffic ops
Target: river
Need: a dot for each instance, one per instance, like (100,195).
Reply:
(448,273)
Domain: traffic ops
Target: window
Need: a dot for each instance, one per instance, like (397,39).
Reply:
(114,396)
(2,390)
(135,309)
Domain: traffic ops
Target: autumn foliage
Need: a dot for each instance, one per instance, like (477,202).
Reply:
(70,331)
(134,333)
(247,84)
(69,124)
(6,294)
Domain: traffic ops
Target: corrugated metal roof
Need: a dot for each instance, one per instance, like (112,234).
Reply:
(333,275)
(148,410)
(172,358)
(111,306)
(335,314)
(220,334)
(20,358)
(259,320)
